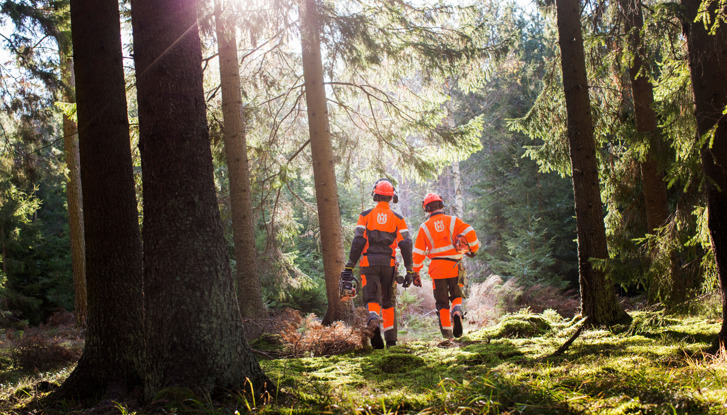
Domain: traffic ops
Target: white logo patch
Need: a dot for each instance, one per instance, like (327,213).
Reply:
(439,226)
(381,218)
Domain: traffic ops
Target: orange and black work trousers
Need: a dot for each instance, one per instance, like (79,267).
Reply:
(447,290)
(378,294)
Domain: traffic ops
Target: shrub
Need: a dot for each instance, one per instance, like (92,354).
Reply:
(488,301)
(61,318)
(308,337)
(36,352)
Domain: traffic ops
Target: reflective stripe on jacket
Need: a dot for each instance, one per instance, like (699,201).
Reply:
(378,232)
(435,241)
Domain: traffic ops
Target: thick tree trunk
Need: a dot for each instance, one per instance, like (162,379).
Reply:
(329,214)
(598,299)
(112,361)
(652,175)
(73,188)
(195,335)
(249,293)
(708,67)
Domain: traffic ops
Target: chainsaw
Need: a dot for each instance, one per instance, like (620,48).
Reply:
(462,247)
(347,285)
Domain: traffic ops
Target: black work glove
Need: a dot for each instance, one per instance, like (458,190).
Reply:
(416,280)
(408,279)
(470,254)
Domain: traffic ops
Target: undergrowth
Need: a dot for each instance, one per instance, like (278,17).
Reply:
(657,365)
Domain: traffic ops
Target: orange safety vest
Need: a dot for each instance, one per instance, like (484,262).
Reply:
(435,240)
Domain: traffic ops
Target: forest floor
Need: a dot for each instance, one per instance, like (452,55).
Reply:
(659,364)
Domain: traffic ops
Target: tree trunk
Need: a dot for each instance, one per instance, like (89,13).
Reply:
(2,241)
(73,187)
(249,293)
(111,364)
(458,197)
(708,66)
(652,175)
(598,299)
(195,336)
(329,214)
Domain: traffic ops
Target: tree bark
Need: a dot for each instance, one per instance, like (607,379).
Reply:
(2,241)
(458,196)
(111,364)
(249,293)
(195,335)
(598,299)
(73,187)
(708,66)
(329,214)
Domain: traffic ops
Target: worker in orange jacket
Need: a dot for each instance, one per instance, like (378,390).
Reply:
(444,240)
(379,231)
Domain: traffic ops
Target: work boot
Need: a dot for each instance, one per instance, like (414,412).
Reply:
(390,343)
(373,327)
(457,318)
(447,334)
(457,328)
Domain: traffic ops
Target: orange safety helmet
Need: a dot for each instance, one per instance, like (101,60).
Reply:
(429,198)
(384,187)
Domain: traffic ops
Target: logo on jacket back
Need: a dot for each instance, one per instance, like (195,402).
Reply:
(381,218)
(439,226)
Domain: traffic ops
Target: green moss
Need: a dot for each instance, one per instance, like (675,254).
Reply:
(268,343)
(661,370)
(398,363)
(515,325)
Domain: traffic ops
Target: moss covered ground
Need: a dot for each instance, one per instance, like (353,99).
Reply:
(657,365)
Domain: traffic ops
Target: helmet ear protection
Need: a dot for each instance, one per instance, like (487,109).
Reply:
(395,195)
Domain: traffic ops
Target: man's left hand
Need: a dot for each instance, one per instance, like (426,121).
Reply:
(416,280)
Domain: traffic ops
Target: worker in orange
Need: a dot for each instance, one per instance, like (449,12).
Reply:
(379,231)
(444,239)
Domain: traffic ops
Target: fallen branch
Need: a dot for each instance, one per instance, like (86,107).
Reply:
(570,341)
(260,352)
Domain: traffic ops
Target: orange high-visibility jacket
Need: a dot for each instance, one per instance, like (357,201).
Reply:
(435,241)
(378,232)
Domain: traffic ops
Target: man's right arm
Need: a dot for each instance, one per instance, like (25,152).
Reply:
(359,241)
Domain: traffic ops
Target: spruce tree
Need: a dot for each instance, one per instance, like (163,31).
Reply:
(598,299)
(195,337)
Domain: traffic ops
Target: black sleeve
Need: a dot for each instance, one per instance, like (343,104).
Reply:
(357,246)
(359,241)
(405,245)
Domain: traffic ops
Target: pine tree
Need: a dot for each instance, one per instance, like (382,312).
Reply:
(112,362)
(73,186)
(195,337)
(249,292)
(708,68)
(329,215)
(598,299)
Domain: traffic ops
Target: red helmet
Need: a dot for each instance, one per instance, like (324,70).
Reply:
(384,187)
(429,198)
